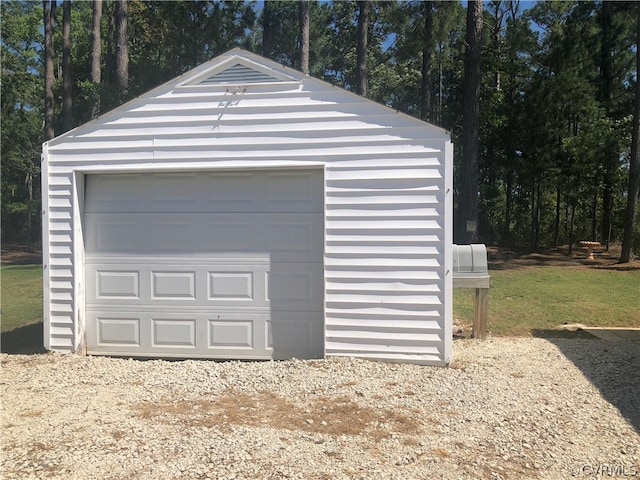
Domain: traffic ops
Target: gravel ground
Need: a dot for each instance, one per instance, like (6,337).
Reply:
(506,408)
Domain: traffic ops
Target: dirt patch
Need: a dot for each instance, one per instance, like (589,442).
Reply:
(21,255)
(328,415)
(500,258)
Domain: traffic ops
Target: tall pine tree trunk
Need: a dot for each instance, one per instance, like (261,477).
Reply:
(29,181)
(47,15)
(304,36)
(594,210)
(96,52)
(508,207)
(497,40)
(121,14)
(556,222)
(361,50)
(572,223)
(67,77)
(467,217)
(427,58)
(627,254)
(440,87)
(610,153)
(267,28)
(537,214)
(110,53)
(532,237)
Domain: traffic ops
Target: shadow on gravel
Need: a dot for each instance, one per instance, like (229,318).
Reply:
(611,366)
(557,333)
(25,340)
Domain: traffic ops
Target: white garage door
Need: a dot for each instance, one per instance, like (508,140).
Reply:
(217,265)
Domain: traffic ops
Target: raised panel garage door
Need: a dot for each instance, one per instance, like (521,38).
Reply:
(216,265)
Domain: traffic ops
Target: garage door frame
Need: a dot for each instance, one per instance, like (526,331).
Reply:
(79,191)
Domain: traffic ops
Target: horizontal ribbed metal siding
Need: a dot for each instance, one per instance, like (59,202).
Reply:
(58,261)
(385,196)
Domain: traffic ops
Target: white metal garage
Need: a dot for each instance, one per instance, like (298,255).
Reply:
(245,210)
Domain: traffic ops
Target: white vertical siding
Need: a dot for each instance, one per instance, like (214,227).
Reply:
(388,215)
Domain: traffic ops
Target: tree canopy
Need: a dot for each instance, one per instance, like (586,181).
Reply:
(556,101)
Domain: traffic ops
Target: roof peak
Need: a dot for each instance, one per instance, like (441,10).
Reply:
(239,69)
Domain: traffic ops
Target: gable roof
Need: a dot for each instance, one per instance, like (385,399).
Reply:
(234,71)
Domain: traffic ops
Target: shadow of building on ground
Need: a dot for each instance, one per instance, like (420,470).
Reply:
(613,367)
(25,340)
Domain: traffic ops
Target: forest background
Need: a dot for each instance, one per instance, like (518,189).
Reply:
(557,92)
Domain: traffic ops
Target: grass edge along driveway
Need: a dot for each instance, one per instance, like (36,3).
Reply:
(522,299)
(543,297)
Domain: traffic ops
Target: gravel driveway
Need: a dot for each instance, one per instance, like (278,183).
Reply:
(506,408)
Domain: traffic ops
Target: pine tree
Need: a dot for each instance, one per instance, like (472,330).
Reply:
(122,47)
(67,74)
(467,215)
(427,58)
(304,36)
(633,190)
(49,79)
(96,53)
(361,50)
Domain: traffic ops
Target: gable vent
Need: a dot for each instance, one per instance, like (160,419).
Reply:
(238,74)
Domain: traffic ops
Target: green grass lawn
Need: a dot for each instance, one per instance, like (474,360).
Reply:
(526,299)
(522,300)
(21,295)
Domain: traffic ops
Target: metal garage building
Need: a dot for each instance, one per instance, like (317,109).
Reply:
(244,210)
